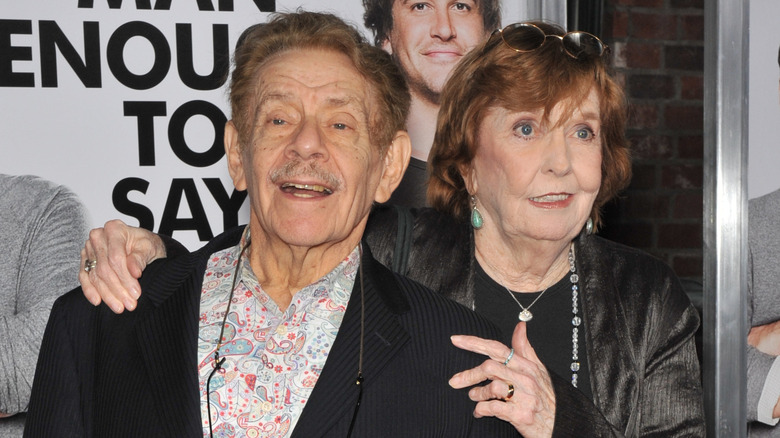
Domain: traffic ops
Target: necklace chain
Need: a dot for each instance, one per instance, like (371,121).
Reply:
(525,315)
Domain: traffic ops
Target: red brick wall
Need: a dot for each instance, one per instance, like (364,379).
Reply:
(657,53)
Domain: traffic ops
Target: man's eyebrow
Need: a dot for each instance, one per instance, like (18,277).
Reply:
(340,101)
(274,96)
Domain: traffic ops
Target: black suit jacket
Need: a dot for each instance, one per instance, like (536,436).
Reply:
(135,374)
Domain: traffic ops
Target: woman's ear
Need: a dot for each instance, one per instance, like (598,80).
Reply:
(396,160)
(469,175)
(234,156)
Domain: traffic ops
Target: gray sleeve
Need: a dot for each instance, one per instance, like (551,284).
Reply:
(48,265)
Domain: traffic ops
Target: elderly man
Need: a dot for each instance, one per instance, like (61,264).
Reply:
(427,39)
(287,327)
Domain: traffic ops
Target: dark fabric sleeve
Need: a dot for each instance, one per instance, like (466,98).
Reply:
(59,401)
(576,415)
(172,246)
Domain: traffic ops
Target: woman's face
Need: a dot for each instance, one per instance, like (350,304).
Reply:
(537,180)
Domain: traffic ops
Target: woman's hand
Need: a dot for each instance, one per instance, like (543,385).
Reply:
(530,405)
(121,252)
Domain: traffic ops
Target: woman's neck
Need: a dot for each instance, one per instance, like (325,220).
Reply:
(528,266)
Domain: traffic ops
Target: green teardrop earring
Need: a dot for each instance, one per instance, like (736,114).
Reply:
(476,216)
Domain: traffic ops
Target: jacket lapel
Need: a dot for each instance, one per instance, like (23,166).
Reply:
(611,352)
(167,335)
(335,395)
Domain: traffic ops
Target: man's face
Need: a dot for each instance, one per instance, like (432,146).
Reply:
(429,37)
(311,171)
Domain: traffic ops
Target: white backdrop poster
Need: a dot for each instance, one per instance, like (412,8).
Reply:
(125,102)
(764,98)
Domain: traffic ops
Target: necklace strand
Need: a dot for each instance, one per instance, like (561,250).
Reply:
(575,320)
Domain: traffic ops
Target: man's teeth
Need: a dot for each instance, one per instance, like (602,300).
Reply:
(310,187)
(550,198)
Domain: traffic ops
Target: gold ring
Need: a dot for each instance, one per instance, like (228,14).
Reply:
(510,391)
(89,265)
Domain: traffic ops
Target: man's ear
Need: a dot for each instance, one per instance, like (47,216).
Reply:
(396,160)
(386,45)
(234,156)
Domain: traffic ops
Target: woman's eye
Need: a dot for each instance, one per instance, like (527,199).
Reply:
(584,134)
(418,6)
(340,126)
(278,122)
(462,7)
(524,129)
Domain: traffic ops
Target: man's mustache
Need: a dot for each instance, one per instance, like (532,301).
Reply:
(293,169)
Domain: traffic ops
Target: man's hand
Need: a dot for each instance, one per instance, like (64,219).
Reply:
(766,338)
(122,252)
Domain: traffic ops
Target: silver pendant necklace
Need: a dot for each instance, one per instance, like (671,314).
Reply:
(525,314)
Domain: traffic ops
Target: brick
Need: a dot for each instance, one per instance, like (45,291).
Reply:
(685,4)
(688,205)
(647,205)
(638,235)
(682,176)
(650,87)
(692,87)
(690,146)
(679,236)
(651,147)
(616,25)
(643,116)
(642,55)
(689,58)
(684,117)
(641,3)
(692,27)
(686,265)
(643,177)
(653,26)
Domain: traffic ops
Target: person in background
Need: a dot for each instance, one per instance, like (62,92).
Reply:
(427,39)
(286,327)
(42,228)
(763,307)
(530,144)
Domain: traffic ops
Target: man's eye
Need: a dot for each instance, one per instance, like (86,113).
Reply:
(462,7)
(278,121)
(419,6)
(340,126)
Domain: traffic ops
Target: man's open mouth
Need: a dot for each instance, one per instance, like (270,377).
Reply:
(306,190)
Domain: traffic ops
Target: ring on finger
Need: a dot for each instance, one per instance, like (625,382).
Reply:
(89,265)
(508,358)
(510,391)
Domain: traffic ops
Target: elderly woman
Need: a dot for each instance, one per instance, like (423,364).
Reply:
(529,147)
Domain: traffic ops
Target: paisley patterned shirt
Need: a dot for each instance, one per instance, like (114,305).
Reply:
(273,358)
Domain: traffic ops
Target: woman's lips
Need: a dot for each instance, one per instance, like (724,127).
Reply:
(552,200)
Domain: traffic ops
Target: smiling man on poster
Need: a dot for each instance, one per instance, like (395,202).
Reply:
(427,39)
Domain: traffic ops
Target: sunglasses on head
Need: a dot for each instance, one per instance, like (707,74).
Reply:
(527,37)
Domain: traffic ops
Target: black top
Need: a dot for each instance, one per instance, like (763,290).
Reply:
(550,330)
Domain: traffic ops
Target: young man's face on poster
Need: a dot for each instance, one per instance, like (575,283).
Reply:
(428,38)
